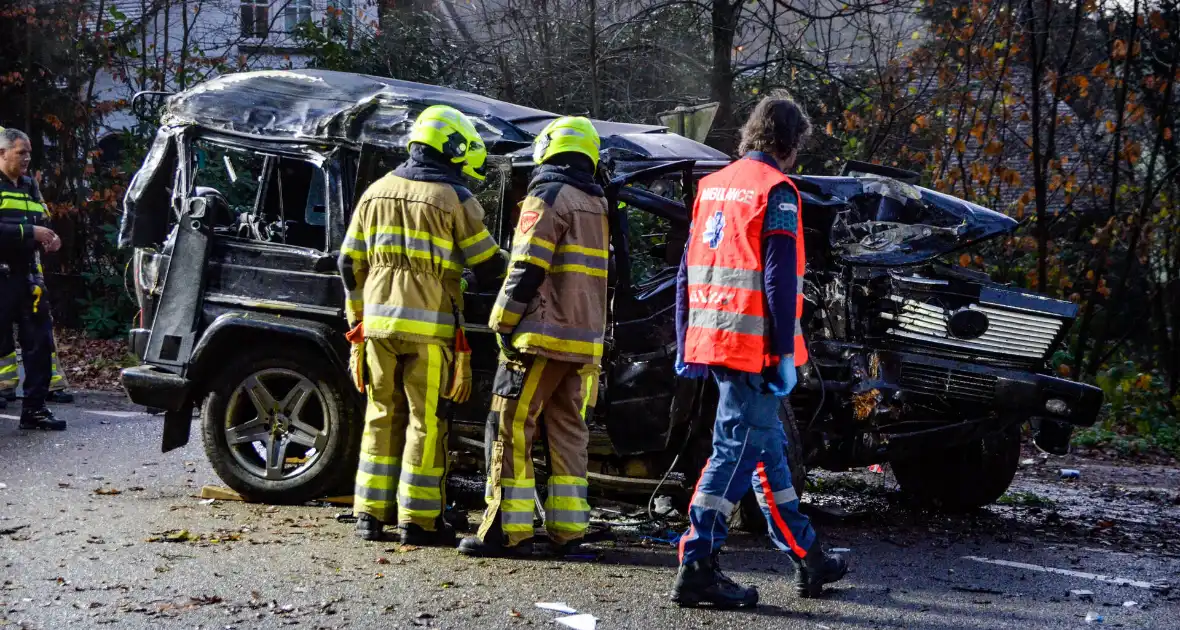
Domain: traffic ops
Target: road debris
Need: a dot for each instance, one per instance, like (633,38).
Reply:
(1070,473)
(1093,617)
(108,491)
(1083,595)
(560,607)
(579,622)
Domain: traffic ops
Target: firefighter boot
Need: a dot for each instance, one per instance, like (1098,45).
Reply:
(816,569)
(368,527)
(416,535)
(42,419)
(703,582)
(492,544)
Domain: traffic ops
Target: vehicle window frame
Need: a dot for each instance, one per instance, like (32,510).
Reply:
(315,156)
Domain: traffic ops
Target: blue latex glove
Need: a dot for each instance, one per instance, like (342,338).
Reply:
(785,377)
(693,371)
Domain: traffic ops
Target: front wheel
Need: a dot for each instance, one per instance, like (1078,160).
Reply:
(278,426)
(963,477)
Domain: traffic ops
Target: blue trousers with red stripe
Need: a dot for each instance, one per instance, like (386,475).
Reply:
(748,450)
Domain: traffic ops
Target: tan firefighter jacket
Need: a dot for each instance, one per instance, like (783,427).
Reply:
(404,254)
(563,230)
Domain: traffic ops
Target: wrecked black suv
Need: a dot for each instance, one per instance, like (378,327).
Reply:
(236,219)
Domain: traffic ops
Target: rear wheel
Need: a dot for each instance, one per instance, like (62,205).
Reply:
(278,426)
(964,477)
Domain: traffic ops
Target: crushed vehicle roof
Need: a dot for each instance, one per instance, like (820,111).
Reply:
(341,107)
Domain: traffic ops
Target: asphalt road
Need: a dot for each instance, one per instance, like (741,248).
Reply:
(73,557)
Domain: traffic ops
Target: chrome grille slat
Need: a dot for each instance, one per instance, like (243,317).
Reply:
(957,384)
(1019,334)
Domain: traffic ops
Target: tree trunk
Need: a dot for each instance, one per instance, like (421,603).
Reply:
(595,94)
(723,135)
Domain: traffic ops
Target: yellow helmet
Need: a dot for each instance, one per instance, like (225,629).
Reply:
(450,132)
(568,133)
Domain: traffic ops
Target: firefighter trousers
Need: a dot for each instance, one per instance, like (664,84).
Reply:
(403,462)
(523,389)
(35,328)
(748,450)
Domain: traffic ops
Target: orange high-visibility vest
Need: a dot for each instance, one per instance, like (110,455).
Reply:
(726,301)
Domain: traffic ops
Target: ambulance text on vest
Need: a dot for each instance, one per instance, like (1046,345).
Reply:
(740,195)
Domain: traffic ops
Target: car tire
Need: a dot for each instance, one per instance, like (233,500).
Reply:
(748,516)
(322,432)
(964,477)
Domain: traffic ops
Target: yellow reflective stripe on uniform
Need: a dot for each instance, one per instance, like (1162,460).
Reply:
(506,317)
(478,248)
(546,342)
(380,317)
(417,253)
(438,241)
(420,493)
(376,482)
(590,271)
(9,372)
(521,449)
(585,251)
(516,515)
(587,389)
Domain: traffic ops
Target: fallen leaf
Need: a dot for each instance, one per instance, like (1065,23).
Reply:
(513,613)
(382,560)
(108,491)
(406,548)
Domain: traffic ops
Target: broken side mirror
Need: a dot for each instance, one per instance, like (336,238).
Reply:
(195,207)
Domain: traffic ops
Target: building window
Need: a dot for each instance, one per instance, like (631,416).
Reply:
(255,18)
(296,13)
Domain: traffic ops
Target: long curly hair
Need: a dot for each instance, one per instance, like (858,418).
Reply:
(778,126)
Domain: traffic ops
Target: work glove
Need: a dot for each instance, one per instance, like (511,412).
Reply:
(356,357)
(784,378)
(461,377)
(690,370)
(504,340)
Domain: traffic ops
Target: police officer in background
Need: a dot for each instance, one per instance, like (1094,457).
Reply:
(411,235)
(739,299)
(23,235)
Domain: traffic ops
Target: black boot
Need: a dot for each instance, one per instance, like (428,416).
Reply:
(569,548)
(42,419)
(368,527)
(442,536)
(817,569)
(492,545)
(703,582)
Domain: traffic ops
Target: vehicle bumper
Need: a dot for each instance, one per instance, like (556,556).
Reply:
(150,386)
(1012,392)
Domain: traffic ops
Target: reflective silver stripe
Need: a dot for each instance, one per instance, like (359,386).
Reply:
(724,320)
(375,494)
(785,496)
(422,481)
(572,258)
(420,244)
(526,494)
(558,332)
(726,277)
(421,505)
(568,490)
(479,247)
(355,245)
(566,131)
(712,502)
(539,251)
(405,312)
(799,283)
(798,328)
(577,517)
(509,517)
(384,470)
(511,306)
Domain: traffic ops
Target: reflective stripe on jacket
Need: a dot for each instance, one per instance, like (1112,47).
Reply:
(20,208)
(404,254)
(563,230)
(727,318)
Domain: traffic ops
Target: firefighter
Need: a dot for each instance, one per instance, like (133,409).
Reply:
(550,318)
(22,282)
(411,235)
(739,299)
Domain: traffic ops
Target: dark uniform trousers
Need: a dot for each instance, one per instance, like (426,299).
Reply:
(20,203)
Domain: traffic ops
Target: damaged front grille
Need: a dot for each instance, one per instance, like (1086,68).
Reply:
(1009,332)
(957,384)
